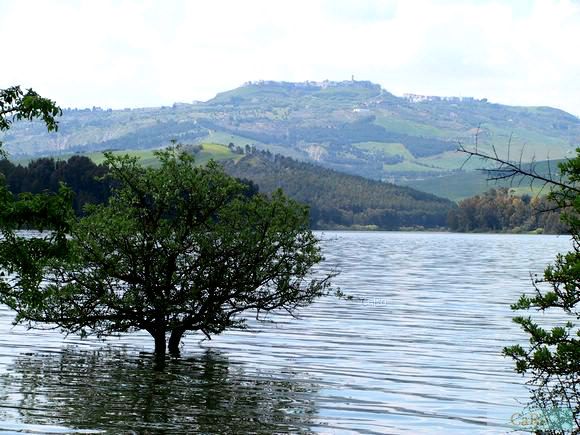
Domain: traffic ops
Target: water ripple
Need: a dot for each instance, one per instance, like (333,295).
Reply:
(418,350)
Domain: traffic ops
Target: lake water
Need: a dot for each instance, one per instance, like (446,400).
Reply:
(418,350)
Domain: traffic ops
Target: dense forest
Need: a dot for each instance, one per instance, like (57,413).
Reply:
(83,176)
(340,200)
(498,210)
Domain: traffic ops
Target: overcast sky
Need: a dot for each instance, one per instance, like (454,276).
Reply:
(149,53)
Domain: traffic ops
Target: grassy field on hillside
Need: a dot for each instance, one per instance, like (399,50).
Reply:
(461,185)
(209,151)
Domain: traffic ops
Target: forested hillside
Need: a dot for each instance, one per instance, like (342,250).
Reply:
(341,200)
(336,200)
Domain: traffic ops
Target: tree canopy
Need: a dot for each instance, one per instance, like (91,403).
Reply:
(500,210)
(176,248)
(16,104)
(86,179)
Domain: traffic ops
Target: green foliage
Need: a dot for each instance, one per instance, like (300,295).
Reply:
(44,211)
(176,248)
(22,260)
(498,210)
(15,105)
(79,173)
(552,358)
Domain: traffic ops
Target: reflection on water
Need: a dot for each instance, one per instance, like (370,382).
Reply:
(417,351)
(110,389)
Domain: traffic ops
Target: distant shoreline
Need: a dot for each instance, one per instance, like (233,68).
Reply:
(436,231)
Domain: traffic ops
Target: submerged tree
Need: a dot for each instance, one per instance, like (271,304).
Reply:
(552,359)
(177,248)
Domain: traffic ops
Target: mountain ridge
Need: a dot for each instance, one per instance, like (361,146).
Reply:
(355,127)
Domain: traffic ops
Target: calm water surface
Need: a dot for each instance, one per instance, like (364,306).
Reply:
(417,351)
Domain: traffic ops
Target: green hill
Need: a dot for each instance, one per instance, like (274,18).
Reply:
(341,200)
(460,185)
(351,126)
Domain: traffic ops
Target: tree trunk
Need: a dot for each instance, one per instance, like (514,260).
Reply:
(160,343)
(175,339)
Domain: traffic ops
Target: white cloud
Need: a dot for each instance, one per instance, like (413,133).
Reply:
(136,53)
